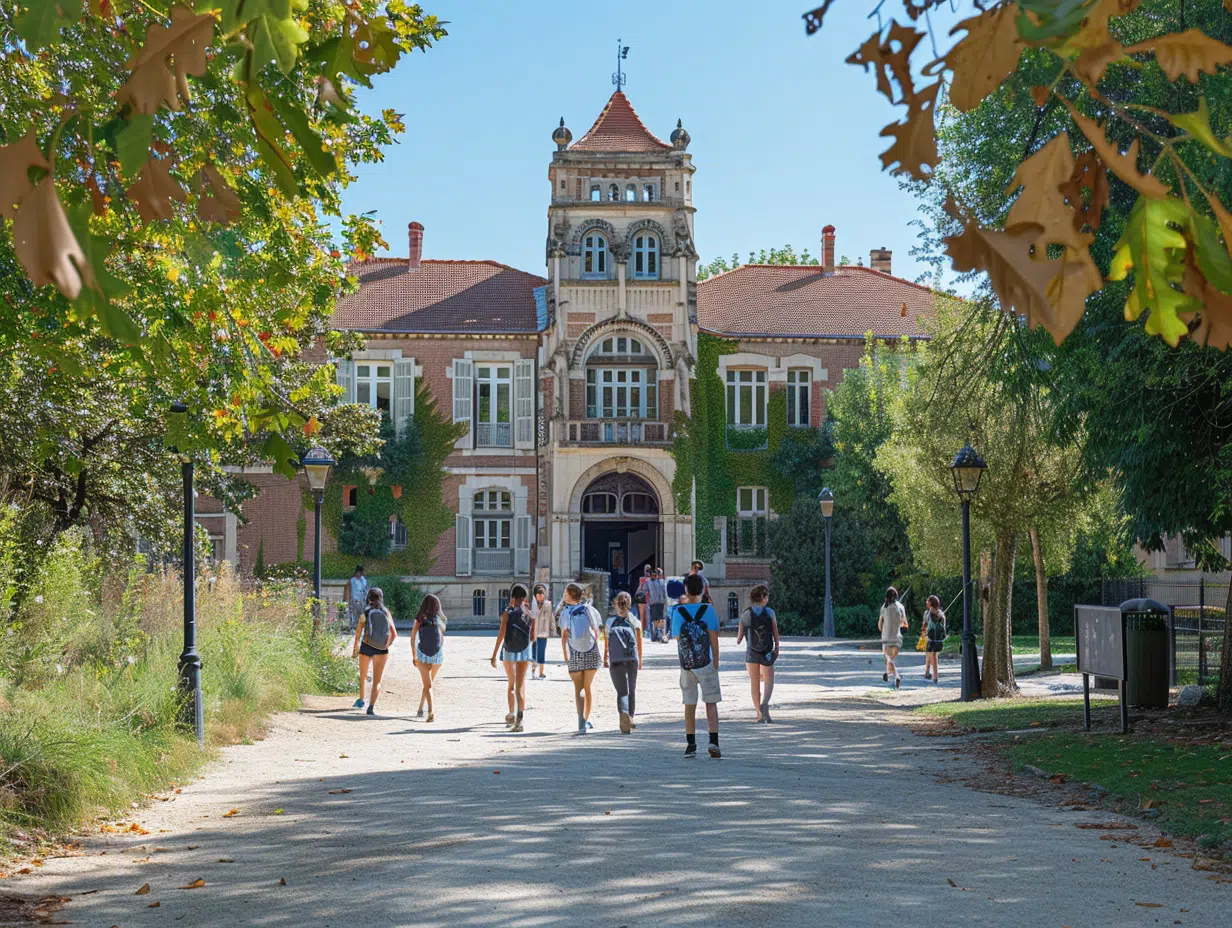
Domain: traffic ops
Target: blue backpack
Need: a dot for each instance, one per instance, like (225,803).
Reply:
(693,639)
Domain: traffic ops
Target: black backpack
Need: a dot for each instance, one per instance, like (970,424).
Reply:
(693,639)
(621,641)
(761,629)
(430,636)
(517,630)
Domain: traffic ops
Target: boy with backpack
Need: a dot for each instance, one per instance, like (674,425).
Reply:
(622,655)
(695,626)
(760,627)
(515,641)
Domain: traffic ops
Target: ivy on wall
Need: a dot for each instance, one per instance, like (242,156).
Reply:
(413,463)
(714,460)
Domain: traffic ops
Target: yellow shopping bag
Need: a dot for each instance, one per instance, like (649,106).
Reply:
(922,644)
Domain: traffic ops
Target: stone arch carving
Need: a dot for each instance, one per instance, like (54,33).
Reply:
(643,330)
(590,225)
(666,245)
(658,482)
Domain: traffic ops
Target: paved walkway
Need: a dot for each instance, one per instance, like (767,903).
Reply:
(831,816)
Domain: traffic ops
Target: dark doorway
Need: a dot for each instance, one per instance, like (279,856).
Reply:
(620,529)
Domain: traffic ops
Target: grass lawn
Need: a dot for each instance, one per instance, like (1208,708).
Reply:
(1023,644)
(1011,714)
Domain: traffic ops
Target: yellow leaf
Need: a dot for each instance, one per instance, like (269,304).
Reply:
(195,884)
(1125,166)
(151,82)
(1187,53)
(984,57)
(173,273)
(232,811)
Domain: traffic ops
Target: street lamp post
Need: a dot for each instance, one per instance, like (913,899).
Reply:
(826,499)
(193,711)
(968,467)
(316,464)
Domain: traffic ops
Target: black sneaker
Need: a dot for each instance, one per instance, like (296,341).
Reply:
(713,751)
(371,710)
(690,750)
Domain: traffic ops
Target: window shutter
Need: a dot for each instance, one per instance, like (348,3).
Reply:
(462,543)
(404,394)
(463,398)
(521,554)
(524,403)
(346,379)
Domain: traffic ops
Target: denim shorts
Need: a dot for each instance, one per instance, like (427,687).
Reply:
(526,655)
(437,658)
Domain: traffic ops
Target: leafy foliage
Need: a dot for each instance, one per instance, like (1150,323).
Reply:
(785,255)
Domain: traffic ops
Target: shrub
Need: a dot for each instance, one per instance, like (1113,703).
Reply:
(402,598)
(855,621)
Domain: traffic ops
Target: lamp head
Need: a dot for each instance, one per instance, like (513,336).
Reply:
(316,464)
(968,468)
(826,499)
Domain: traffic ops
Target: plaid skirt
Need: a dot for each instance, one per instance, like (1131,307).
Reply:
(585,660)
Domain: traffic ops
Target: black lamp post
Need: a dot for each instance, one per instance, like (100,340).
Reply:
(316,464)
(193,712)
(968,467)
(826,499)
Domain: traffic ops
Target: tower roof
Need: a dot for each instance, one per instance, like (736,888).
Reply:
(618,129)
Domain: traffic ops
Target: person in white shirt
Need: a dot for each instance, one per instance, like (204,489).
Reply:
(891,622)
(579,639)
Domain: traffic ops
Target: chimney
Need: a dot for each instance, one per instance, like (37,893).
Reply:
(827,250)
(415,234)
(879,259)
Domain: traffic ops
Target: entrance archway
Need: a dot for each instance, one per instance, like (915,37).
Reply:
(621,529)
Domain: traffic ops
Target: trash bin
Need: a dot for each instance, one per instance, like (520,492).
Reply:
(1146,649)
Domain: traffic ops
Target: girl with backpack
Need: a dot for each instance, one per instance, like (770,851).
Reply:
(934,628)
(428,653)
(515,641)
(622,655)
(579,639)
(760,627)
(891,622)
(374,636)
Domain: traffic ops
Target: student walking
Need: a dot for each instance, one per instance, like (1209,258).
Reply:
(622,655)
(579,640)
(934,628)
(760,627)
(428,649)
(374,636)
(545,628)
(656,603)
(695,570)
(695,626)
(356,594)
(515,642)
(891,622)
(639,597)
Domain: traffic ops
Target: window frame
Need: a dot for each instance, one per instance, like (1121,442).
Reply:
(372,381)
(756,386)
(799,397)
(595,253)
(614,382)
(494,381)
(758,502)
(646,263)
(492,520)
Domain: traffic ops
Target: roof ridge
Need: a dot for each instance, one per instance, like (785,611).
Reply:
(392,259)
(840,267)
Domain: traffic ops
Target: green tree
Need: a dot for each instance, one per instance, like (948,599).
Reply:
(785,255)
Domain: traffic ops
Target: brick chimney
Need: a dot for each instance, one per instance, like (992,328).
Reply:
(879,259)
(827,250)
(415,233)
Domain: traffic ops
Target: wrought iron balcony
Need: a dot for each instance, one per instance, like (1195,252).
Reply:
(747,536)
(616,432)
(493,435)
(494,561)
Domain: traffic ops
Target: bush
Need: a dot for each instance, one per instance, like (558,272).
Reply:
(402,598)
(855,622)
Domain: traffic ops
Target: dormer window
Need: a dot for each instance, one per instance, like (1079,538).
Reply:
(646,256)
(594,256)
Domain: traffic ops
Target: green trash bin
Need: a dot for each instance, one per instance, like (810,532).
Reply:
(1146,646)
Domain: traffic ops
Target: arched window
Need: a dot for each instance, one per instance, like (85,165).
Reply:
(594,256)
(733,607)
(646,256)
(621,345)
(631,193)
(613,193)
(638,504)
(599,504)
(648,192)
(595,193)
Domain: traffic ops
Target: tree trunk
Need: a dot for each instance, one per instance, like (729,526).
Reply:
(1041,602)
(985,583)
(998,676)
(1225,659)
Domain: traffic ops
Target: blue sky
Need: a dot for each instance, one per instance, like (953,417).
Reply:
(785,135)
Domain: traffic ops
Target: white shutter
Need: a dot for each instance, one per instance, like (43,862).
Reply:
(404,394)
(524,403)
(521,554)
(463,399)
(346,379)
(462,543)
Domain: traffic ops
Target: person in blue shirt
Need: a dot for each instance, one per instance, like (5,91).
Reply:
(695,626)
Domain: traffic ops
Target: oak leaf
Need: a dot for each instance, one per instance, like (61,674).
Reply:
(15,163)
(155,189)
(1041,202)
(1125,166)
(1153,247)
(1089,174)
(1198,125)
(984,57)
(1019,280)
(915,139)
(890,59)
(1212,328)
(1187,53)
(143,891)
(219,202)
(45,243)
(1067,293)
(152,81)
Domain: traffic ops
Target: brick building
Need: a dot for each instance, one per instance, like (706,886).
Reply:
(569,384)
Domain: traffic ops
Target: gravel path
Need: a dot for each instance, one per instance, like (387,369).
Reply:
(834,815)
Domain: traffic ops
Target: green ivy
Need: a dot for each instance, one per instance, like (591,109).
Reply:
(301,529)
(716,460)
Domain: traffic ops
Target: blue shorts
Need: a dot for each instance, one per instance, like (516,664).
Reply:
(526,655)
(437,658)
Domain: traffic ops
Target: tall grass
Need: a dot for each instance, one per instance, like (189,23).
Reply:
(89,705)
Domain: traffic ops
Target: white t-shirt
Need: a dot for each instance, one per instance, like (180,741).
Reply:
(892,623)
(577,626)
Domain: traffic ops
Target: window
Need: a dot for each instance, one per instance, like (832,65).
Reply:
(599,503)
(746,398)
(493,511)
(397,534)
(594,256)
(595,193)
(631,193)
(493,405)
(374,385)
(350,498)
(502,602)
(621,345)
(648,192)
(751,501)
(799,383)
(613,193)
(733,607)
(479,602)
(646,256)
(622,393)
(638,504)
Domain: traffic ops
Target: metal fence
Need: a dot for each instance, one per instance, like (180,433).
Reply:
(1198,616)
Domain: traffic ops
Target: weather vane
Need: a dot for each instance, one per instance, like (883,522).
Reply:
(620,78)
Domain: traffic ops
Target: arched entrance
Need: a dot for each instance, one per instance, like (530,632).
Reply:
(620,528)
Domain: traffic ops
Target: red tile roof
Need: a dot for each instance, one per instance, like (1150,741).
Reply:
(770,299)
(618,129)
(442,296)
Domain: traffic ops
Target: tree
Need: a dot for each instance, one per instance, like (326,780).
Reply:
(1031,481)
(785,255)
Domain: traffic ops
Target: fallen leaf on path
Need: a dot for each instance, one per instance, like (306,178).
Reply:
(344,756)
(137,829)
(1145,859)
(338,792)
(282,881)
(608,812)
(1162,841)
(276,812)
(195,884)
(1200,864)
(153,905)
(26,870)
(225,860)
(231,813)
(1108,826)
(496,771)
(143,891)
(192,847)
(951,882)
(1150,905)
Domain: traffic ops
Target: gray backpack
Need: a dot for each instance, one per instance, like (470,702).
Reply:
(621,641)
(378,631)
